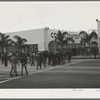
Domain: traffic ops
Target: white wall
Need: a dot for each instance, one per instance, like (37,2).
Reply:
(35,36)
(47,36)
(42,36)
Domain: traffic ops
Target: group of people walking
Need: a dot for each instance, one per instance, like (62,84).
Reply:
(34,59)
(14,62)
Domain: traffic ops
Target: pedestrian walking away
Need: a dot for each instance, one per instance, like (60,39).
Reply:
(13,65)
(2,58)
(32,59)
(23,63)
(39,60)
(6,59)
(69,56)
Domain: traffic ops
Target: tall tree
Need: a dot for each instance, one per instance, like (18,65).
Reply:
(84,37)
(87,39)
(20,41)
(59,37)
(12,43)
(4,41)
(93,35)
(63,39)
(67,40)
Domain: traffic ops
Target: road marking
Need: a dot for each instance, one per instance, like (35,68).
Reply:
(42,71)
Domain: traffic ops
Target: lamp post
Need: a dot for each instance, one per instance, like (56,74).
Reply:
(98,30)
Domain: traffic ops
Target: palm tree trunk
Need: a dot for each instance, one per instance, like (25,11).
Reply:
(54,45)
(20,48)
(89,50)
(23,49)
(61,46)
(95,56)
(84,45)
(4,49)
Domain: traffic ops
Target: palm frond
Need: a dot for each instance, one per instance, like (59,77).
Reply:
(65,33)
(83,32)
(24,40)
(59,36)
(93,34)
(18,38)
(6,37)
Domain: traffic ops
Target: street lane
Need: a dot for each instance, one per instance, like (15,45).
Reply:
(68,76)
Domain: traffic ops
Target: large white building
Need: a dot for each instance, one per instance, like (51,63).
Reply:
(42,36)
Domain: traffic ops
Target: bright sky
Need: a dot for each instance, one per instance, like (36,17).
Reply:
(75,16)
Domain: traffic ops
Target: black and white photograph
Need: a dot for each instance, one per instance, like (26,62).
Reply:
(50,45)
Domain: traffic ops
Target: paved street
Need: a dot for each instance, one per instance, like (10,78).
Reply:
(80,73)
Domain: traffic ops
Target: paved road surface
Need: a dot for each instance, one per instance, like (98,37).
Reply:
(79,75)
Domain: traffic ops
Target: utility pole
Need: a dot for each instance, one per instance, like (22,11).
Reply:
(98,30)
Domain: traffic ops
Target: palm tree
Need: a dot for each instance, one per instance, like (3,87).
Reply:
(67,40)
(63,39)
(93,35)
(5,41)
(12,43)
(84,37)
(83,34)
(59,37)
(20,42)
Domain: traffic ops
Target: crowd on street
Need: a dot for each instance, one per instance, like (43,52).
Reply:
(38,59)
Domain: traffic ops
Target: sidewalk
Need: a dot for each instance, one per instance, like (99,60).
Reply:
(85,57)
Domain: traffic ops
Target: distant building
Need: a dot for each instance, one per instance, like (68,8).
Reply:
(42,36)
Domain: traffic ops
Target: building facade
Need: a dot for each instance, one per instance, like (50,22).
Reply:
(42,36)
